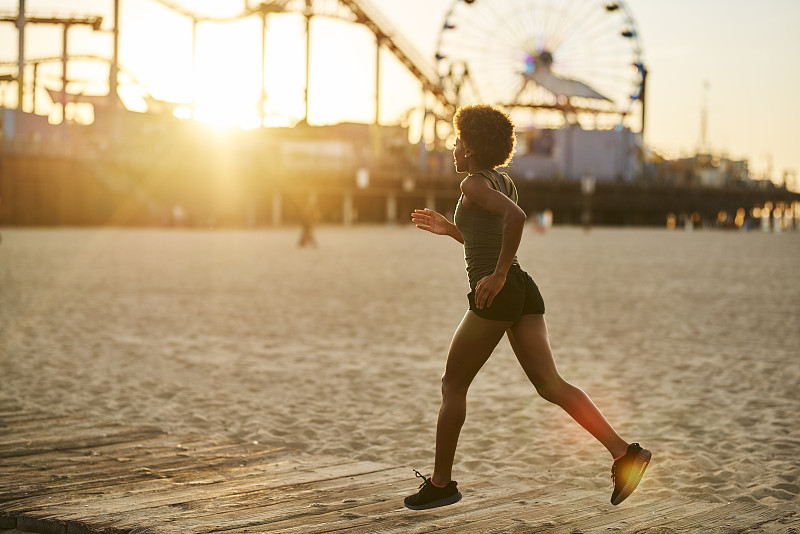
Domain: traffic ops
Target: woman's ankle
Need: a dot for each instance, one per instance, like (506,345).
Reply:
(438,481)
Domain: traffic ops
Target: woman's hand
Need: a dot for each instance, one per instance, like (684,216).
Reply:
(487,289)
(431,221)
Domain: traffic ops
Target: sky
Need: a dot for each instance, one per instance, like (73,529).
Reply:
(734,58)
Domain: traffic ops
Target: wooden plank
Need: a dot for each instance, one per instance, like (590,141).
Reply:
(380,500)
(139,452)
(164,515)
(550,518)
(146,473)
(513,512)
(94,478)
(167,493)
(86,464)
(306,506)
(71,480)
(731,517)
(96,438)
(154,451)
(275,491)
(133,482)
(241,509)
(196,495)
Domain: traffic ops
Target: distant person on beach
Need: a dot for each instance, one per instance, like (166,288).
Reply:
(504,300)
(310,218)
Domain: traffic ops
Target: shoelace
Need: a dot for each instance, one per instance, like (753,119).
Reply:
(424,480)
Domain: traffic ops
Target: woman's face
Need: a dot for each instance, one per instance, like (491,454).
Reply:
(459,156)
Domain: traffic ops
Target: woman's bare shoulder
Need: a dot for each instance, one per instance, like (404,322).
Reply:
(475,183)
(477,191)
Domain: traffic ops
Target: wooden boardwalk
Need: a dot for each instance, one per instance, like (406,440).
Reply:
(61,475)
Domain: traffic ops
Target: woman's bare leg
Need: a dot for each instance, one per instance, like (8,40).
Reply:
(472,344)
(530,342)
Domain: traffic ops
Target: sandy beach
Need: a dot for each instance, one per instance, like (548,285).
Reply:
(688,342)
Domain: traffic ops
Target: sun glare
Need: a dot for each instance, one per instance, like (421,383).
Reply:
(221,84)
(216,78)
(218,110)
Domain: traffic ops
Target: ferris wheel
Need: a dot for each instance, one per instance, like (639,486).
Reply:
(549,62)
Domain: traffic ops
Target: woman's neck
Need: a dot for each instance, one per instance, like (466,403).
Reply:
(476,167)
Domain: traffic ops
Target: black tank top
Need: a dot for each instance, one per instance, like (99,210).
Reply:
(483,231)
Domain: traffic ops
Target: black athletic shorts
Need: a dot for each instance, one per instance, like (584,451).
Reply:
(519,296)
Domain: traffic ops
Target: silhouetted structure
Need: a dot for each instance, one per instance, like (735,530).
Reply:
(263,178)
(153,169)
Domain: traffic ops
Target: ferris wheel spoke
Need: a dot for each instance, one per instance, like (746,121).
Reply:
(537,18)
(514,37)
(600,57)
(475,50)
(601,53)
(496,57)
(519,28)
(472,32)
(581,33)
(486,19)
(531,21)
(567,16)
(506,24)
(521,20)
(601,32)
(576,21)
(496,48)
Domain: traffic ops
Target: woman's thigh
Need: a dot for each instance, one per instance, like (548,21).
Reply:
(531,345)
(472,344)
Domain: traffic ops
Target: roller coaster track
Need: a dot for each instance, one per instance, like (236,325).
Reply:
(205,18)
(74,57)
(369,16)
(362,12)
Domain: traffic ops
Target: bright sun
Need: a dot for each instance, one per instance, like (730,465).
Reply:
(221,86)
(219,82)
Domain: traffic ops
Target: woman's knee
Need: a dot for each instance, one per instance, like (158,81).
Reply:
(553,389)
(454,386)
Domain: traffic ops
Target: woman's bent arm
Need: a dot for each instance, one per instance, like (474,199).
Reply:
(436,223)
(478,192)
(513,224)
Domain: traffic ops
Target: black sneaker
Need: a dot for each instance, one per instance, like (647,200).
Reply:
(430,496)
(627,472)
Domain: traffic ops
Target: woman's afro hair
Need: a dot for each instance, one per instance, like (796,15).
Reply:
(487,131)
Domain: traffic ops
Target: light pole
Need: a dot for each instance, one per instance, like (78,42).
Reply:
(264,9)
(21,64)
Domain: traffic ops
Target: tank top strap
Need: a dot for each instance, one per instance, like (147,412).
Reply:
(513,194)
(501,179)
(499,183)
(492,177)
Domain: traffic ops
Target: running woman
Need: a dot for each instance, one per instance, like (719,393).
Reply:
(504,300)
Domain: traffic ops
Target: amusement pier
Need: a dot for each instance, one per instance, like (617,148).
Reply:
(581,156)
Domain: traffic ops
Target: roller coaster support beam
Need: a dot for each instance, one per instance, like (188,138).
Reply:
(20,72)
(401,52)
(21,21)
(307,13)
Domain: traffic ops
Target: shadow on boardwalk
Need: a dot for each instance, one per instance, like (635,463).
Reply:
(71,476)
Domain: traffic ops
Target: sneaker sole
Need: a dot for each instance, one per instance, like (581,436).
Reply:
(436,504)
(637,471)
